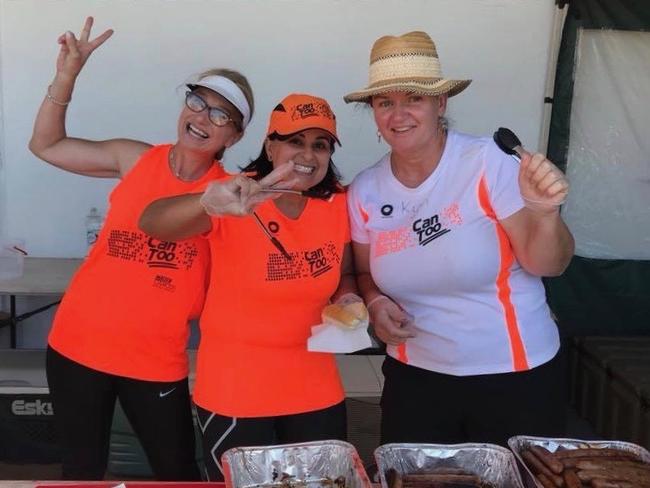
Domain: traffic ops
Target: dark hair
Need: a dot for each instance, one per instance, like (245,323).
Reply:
(329,184)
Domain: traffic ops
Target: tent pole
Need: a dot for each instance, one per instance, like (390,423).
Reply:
(554,48)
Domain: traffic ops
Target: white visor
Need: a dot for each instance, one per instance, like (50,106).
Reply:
(228,90)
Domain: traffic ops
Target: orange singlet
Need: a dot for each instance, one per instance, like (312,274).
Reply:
(126,310)
(253,359)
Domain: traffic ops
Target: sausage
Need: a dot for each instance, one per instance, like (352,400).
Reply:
(571,479)
(548,459)
(448,471)
(538,467)
(573,462)
(393,478)
(448,484)
(602,483)
(436,478)
(591,474)
(419,479)
(546,483)
(593,452)
(639,479)
(609,463)
(435,471)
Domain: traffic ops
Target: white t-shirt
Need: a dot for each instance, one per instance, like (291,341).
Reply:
(439,252)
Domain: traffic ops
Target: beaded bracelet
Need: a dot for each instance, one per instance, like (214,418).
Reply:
(54,100)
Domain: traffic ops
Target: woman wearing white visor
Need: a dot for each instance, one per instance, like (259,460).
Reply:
(121,329)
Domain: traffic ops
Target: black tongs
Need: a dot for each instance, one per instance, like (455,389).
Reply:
(278,245)
(305,193)
(509,143)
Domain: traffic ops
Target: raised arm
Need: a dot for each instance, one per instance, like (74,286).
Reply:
(175,218)
(184,216)
(50,142)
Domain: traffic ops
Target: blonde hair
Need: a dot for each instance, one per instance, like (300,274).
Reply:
(237,78)
(242,82)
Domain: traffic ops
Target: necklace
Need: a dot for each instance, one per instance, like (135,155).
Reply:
(196,170)
(172,164)
(176,171)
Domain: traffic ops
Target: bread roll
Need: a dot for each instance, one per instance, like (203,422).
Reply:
(351,316)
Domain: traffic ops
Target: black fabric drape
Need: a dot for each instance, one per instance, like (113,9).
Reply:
(602,297)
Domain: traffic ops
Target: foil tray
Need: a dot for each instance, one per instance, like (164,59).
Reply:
(493,464)
(320,464)
(521,443)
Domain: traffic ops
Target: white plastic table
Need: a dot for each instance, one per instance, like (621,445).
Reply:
(41,277)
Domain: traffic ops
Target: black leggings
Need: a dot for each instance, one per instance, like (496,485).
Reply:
(159,412)
(424,406)
(220,433)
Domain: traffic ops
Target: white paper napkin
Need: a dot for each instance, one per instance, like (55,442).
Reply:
(332,338)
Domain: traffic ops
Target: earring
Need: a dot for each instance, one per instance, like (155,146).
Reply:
(443,124)
(378,137)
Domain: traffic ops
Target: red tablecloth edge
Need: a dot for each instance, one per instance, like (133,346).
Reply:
(128,484)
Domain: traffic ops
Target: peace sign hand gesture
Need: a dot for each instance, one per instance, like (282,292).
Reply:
(238,196)
(75,52)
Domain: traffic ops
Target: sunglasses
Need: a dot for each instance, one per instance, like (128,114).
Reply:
(217,116)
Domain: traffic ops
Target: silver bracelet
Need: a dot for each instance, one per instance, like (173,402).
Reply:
(54,100)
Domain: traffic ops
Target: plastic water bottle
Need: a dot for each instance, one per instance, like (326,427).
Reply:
(94,222)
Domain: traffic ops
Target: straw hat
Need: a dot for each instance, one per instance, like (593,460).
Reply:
(407,63)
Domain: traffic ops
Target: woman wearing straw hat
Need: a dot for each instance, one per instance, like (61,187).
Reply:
(121,330)
(450,237)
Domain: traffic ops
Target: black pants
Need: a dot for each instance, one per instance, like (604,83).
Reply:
(221,433)
(159,412)
(423,406)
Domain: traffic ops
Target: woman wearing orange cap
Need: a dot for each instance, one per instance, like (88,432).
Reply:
(276,263)
(122,327)
(450,237)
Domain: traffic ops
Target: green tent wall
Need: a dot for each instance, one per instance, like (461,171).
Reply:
(595,296)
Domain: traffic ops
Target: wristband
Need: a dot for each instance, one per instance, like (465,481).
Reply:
(375,300)
(541,202)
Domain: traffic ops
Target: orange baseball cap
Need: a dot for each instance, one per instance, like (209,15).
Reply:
(298,112)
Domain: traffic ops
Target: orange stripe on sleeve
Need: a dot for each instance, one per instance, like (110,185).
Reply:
(364,214)
(401,353)
(519,359)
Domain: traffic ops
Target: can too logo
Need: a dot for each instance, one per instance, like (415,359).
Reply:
(37,407)
(318,263)
(162,254)
(428,229)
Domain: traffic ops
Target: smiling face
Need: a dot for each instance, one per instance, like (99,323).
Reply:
(198,133)
(408,122)
(310,150)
